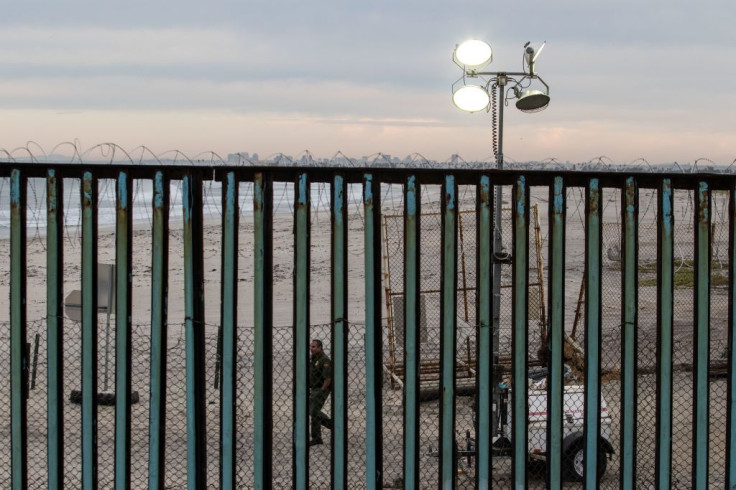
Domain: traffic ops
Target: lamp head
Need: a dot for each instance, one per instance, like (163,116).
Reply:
(531,100)
(471,98)
(473,54)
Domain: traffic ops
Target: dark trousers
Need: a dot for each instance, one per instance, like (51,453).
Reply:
(317,399)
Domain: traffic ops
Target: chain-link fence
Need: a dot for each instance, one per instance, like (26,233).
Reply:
(392,394)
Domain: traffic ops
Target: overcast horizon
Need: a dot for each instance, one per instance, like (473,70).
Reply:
(627,80)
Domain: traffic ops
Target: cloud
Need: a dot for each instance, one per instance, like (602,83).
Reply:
(622,75)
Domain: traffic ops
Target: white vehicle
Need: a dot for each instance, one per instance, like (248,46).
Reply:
(573,443)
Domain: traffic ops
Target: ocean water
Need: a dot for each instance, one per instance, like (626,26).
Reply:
(283,199)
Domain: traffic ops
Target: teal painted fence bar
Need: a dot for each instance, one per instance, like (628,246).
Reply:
(89,331)
(55,327)
(731,396)
(556,330)
(18,355)
(448,327)
(484,379)
(373,334)
(301,331)
(263,333)
(340,332)
(229,316)
(194,331)
(665,301)
(593,279)
(123,326)
(701,341)
(412,206)
(629,320)
(520,325)
(159,332)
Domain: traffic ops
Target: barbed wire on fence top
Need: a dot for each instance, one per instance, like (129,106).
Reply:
(110,152)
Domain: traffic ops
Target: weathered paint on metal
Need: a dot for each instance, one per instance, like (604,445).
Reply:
(123,326)
(556,330)
(18,353)
(55,327)
(89,330)
(373,334)
(484,379)
(339,279)
(665,305)
(263,322)
(194,331)
(263,336)
(701,341)
(448,326)
(301,331)
(593,277)
(412,213)
(629,320)
(520,315)
(159,332)
(229,316)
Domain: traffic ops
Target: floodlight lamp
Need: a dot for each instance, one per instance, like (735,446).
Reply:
(473,54)
(471,98)
(531,100)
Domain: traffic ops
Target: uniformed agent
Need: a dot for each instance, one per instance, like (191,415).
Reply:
(320,380)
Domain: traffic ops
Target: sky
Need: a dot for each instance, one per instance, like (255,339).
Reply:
(647,79)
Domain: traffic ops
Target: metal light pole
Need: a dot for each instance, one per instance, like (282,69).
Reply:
(471,56)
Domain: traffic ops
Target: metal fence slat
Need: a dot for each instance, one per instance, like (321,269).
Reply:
(89,330)
(448,326)
(484,378)
(665,315)
(229,316)
(730,470)
(194,331)
(339,286)
(123,312)
(55,326)
(263,330)
(556,331)
(593,278)
(301,331)
(701,333)
(159,331)
(412,213)
(373,334)
(520,325)
(18,354)
(629,309)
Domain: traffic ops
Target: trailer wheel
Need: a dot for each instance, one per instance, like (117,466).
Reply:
(574,460)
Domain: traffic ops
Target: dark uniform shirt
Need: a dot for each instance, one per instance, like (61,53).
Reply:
(320,369)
